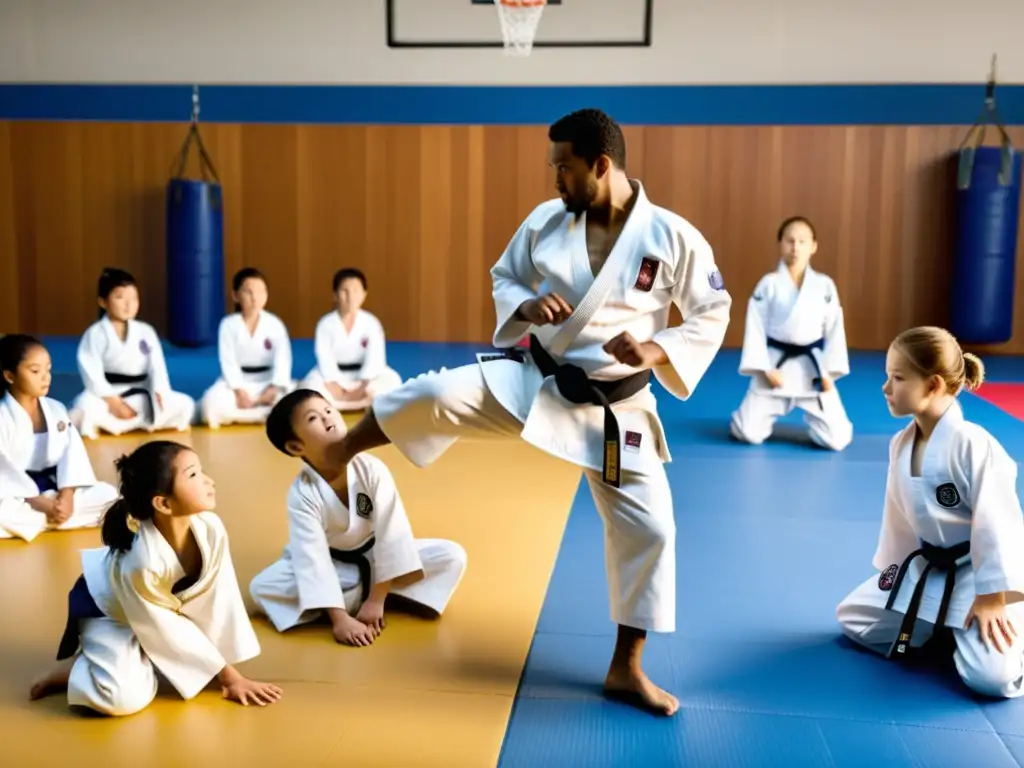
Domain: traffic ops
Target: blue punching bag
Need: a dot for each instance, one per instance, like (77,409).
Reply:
(195,249)
(195,262)
(987,218)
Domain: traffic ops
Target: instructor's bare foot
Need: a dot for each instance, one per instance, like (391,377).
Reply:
(636,689)
(55,681)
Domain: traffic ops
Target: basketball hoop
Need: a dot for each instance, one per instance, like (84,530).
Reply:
(519,20)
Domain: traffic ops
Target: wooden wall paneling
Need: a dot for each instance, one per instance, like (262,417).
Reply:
(10,295)
(426,210)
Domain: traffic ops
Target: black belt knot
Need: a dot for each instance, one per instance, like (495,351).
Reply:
(358,558)
(793,351)
(576,387)
(45,479)
(942,559)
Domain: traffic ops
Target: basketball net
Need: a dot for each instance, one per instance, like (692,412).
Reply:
(519,20)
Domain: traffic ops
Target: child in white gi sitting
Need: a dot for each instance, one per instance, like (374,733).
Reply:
(350,544)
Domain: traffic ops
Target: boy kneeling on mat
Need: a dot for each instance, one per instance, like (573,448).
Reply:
(350,544)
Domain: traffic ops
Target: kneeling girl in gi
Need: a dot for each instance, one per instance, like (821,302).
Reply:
(161,596)
(951,549)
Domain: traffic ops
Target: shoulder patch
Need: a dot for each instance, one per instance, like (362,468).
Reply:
(715,280)
(947,495)
(364,507)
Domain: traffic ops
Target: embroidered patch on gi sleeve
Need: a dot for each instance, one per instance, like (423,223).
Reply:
(715,280)
(363,505)
(648,271)
(947,495)
(887,578)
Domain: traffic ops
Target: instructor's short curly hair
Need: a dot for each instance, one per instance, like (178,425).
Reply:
(592,133)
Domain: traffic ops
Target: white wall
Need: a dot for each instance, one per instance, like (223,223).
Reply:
(343,41)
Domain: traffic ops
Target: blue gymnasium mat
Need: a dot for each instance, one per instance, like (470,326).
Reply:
(760,683)
(762,674)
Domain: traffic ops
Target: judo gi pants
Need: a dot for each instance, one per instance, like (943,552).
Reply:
(864,619)
(428,414)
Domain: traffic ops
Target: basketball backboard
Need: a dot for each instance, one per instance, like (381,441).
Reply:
(474,24)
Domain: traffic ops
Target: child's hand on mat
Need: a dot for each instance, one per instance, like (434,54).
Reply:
(994,626)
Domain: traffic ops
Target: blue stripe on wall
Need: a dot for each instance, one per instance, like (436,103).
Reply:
(515,105)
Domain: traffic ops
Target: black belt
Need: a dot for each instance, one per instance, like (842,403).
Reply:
(575,387)
(45,479)
(350,367)
(255,368)
(941,559)
(358,558)
(125,378)
(80,606)
(792,351)
(133,378)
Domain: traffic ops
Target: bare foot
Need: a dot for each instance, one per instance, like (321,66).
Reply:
(349,631)
(55,681)
(636,689)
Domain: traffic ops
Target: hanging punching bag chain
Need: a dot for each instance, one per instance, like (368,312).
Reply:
(989,114)
(193,135)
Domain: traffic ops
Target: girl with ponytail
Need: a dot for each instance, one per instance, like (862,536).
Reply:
(46,478)
(161,595)
(951,519)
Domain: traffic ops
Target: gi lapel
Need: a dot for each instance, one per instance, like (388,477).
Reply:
(629,240)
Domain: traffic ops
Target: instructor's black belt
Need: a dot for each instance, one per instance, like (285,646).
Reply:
(255,368)
(80,606)
(357,557)
(793,351)
(575,387)
(938,558)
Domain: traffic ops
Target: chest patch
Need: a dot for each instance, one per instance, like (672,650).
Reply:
(645,277)
(887,578)
(61,426)
(267,345)
(947,495)
(144,347)
(364,507)
(716,281)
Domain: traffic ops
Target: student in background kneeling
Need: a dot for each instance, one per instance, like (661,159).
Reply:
(794,347)
(351,547)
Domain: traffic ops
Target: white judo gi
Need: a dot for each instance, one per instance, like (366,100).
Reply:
(336,552)
(349,357)
(659,260)
(800,332)
(965,497)
(41,464)
(250,362)
(189,636)
(112,368)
